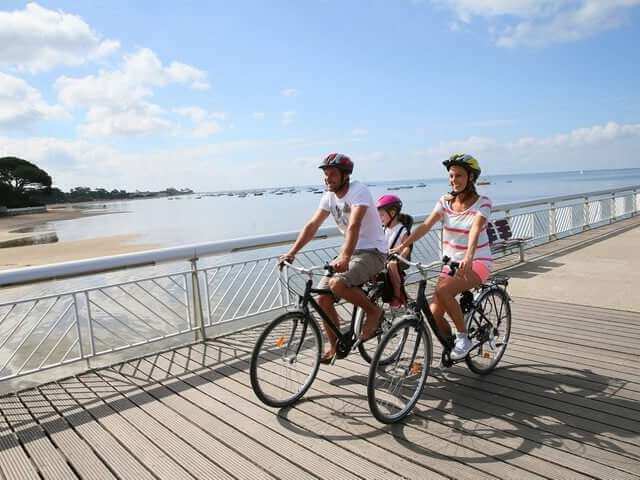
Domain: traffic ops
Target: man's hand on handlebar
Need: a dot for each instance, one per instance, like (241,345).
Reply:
(340,264)
(287,257)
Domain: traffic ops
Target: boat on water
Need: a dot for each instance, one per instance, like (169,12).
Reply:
(484,182)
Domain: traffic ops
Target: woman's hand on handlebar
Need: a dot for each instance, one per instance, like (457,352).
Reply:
(397,250)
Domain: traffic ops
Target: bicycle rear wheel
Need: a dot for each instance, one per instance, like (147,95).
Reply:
(285,359)
(368,349)
(394,387)
(488,326)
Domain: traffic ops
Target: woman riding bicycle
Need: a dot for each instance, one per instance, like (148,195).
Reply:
(464,214)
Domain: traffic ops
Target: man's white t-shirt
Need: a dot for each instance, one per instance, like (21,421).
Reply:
(371,232)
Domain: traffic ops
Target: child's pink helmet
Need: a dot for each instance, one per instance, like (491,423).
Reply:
(388,201)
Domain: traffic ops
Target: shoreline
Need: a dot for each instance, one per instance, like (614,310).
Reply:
(44,254)
(29,242)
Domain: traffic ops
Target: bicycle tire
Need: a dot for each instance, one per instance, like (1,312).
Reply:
(491,330)
(286,351)
(394,388)
(368,349)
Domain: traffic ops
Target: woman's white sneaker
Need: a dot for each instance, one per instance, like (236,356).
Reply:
(461,347)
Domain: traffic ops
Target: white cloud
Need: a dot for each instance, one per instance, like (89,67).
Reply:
(204,124)
(598,146)
(140,119)
(289,92)
(224,164)
(537,23)
(21,104)
(359,132)
(288,117)
(206,129)
(121,96)
(196,114)
(37,39)
(258,115)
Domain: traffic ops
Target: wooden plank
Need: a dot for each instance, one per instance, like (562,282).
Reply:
(169,437)
(582,380)
(114,454)
(578,463)
(587,319)
(569,382)
(623,317)
(44,455)
(341,362)
(14,462)
(79,454)
(156,459)
(246,404)
(241,445)
(150,396)
(188,386)
(472,424)
(564,357)
(412,439)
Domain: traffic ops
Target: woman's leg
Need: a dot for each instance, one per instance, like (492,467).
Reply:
(438,314)
(446,291)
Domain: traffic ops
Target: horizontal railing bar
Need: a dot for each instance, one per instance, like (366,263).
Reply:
(194,251)
(562,198)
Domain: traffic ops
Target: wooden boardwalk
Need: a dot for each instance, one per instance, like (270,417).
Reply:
(563,404)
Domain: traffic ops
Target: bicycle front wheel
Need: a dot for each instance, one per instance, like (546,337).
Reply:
(489,329)
(394,387)
(285,359)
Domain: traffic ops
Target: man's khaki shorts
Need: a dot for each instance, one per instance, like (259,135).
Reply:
(363,266)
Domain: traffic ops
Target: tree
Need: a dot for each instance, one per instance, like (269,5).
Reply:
(20,176)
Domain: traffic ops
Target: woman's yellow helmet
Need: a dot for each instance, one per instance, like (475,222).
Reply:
(464,160)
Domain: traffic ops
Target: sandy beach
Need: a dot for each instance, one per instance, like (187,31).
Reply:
(17,229)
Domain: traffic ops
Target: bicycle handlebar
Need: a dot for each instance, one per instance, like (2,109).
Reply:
(453,266)
(309,271)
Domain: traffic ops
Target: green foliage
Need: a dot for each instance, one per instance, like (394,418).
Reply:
(23,184)
(20,176)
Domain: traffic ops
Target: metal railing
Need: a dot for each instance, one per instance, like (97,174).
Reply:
(55,329)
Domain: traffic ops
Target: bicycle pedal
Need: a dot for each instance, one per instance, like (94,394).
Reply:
(356,344)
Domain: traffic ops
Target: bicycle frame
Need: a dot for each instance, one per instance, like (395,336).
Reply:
(345,340)
(423,306)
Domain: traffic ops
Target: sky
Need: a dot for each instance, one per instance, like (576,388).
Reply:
(245,94)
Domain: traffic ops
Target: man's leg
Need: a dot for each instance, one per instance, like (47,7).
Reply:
(355,295)
(326,302)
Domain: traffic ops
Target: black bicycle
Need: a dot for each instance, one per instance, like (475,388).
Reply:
(286,356)
(395,387)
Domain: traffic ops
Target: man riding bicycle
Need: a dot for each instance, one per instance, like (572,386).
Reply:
(363,252)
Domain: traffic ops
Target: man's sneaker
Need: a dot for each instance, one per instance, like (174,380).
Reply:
(461,347)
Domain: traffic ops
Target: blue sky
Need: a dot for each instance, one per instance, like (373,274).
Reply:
(217,95)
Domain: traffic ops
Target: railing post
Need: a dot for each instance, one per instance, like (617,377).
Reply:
(75,308)
(552,221)
(634,210)
(78,329)
(196,300)
(91,337)
(586,213)
(613,208)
